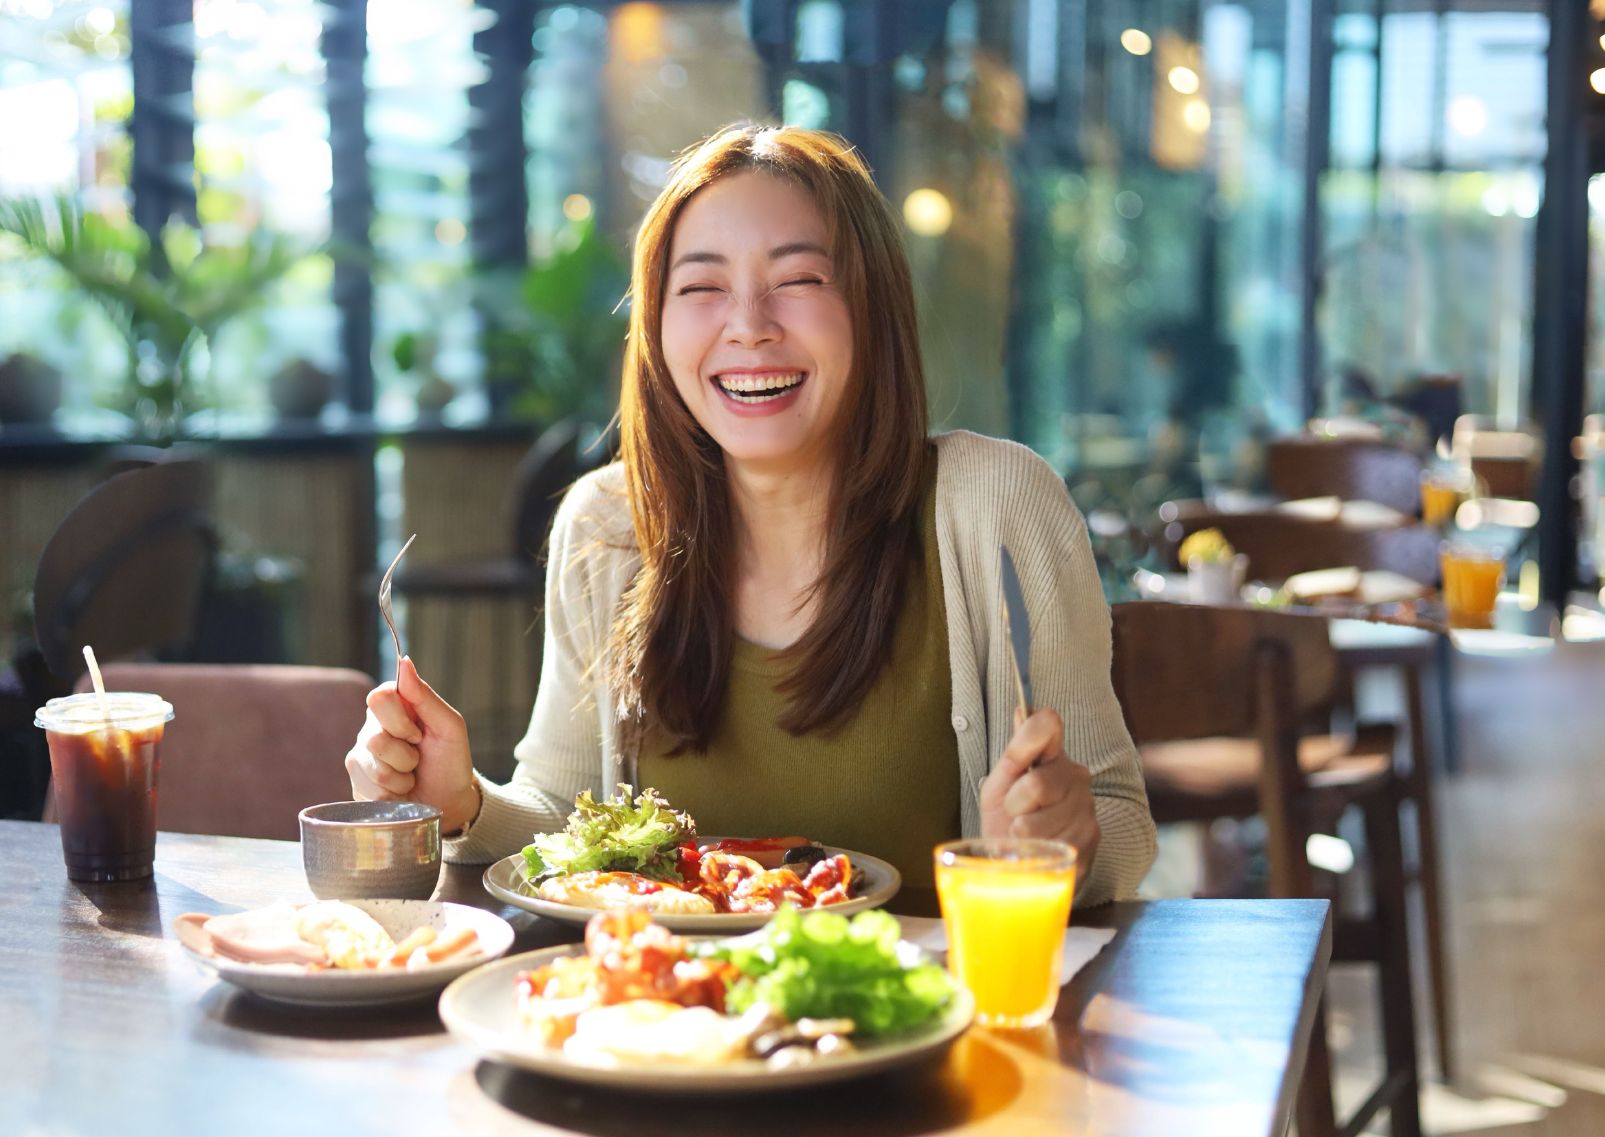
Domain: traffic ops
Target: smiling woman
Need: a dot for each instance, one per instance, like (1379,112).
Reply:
(781,607)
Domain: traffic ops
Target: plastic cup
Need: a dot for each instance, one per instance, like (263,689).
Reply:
(103,773)
(1005,904)
(1471,580)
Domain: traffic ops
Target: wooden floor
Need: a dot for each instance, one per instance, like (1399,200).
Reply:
(1523,842)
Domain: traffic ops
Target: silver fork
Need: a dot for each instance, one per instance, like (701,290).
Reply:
(384,595)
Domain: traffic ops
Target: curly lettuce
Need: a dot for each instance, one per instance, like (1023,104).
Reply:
(823,965)
(617,835)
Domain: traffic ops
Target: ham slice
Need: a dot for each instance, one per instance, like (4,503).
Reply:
(265,935)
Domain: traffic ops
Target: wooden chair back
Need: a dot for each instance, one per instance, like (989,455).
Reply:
(1183,672)
(127,568)
(1353,469)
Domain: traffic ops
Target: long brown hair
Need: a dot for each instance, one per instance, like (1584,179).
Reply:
(675,631)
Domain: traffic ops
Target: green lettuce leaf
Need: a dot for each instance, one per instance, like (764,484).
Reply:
(823,965)
(617,835)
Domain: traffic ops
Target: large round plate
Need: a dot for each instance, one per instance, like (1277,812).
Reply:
(291,983)
(481,1010)
(506,880)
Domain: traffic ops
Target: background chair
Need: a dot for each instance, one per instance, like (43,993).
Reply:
(1231,740)
(250,745)
(126,570)
(1349,468)
(1278,545)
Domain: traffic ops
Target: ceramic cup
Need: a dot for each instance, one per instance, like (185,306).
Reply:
(371,849)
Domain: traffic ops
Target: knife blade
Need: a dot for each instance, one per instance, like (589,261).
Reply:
(1017,622)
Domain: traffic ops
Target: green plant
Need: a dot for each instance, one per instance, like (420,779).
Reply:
(555,331)
(163,297)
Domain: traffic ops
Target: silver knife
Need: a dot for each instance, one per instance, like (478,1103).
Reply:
(1017,622)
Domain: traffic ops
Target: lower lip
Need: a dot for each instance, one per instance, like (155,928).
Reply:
(757,410)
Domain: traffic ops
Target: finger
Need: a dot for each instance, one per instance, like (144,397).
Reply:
(999,781)
(363,785)
(435,714)
(1043,787)
(1040,738)
(392,713)
(393,752)
(385,781)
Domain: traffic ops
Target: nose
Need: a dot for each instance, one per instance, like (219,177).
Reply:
(751,323)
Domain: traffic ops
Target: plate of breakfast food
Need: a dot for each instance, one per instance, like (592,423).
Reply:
(635,852)
(344,953)
(809,998)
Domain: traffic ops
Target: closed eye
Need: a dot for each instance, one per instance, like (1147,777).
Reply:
(693,288)
(801,280)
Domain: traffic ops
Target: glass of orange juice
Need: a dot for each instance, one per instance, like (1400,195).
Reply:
(1442,493)
(1005,903)
(1471,579)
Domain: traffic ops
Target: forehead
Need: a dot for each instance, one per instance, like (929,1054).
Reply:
(748,212)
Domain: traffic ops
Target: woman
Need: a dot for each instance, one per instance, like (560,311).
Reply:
(782,606)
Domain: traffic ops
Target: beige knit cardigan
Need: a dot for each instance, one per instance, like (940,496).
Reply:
(987,491)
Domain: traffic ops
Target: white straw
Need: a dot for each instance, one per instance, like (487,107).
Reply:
(100,684)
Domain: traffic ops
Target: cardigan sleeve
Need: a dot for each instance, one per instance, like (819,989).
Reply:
(560,753)
(1070,670)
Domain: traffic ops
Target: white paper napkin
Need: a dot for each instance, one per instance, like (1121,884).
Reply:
(1081,945)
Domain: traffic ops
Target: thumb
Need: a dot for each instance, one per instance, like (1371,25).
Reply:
(434,714)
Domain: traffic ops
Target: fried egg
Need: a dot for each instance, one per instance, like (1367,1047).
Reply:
(650,1031)
(610,890)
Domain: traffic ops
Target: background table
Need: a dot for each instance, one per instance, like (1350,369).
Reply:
(1194,1020)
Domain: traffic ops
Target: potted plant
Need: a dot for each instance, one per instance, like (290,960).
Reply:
(555,333)
(30,389)
(163,297)
(1215,570)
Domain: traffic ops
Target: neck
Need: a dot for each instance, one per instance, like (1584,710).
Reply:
(780,521)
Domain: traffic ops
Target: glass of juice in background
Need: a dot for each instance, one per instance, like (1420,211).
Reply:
(1442,494)
(103,766)
(1005,904)
(1471,579)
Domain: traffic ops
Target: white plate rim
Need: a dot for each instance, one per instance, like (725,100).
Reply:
(747,1076)
(290,983)
(499,875)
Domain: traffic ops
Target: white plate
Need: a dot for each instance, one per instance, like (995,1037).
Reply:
(482,1010)
(506,880)
(292,983)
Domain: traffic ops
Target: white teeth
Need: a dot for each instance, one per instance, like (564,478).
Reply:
(758,388)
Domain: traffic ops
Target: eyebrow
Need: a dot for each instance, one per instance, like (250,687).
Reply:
(779,252)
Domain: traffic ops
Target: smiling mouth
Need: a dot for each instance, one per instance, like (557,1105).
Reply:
(759,388)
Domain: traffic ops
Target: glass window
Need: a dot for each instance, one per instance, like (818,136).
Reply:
(66,92)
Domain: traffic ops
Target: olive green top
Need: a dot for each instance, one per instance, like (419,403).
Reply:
(895,760)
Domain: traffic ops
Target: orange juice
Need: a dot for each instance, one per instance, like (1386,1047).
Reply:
(1005,903)
(1471,580)
(1440,498)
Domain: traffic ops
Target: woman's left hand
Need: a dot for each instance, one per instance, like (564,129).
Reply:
(1052,800)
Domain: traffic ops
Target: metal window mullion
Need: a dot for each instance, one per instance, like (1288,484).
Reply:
(161,128)
(345,53)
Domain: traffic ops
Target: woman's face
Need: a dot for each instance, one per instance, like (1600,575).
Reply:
(756,330)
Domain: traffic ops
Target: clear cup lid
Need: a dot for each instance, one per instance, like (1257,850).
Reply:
(84,713)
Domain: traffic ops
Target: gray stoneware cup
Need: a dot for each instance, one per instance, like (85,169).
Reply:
(357,850)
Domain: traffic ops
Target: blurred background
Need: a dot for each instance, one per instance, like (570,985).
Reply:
(365,254)
(364,261)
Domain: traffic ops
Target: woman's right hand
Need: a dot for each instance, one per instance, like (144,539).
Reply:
(414,747)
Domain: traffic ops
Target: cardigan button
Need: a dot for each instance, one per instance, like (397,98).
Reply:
(960,723)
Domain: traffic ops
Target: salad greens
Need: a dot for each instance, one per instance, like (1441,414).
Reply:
(823,965)
(615,835)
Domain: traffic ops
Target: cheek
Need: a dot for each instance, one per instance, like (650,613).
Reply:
(685,342)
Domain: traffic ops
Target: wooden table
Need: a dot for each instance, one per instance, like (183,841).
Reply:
(1194,1020)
